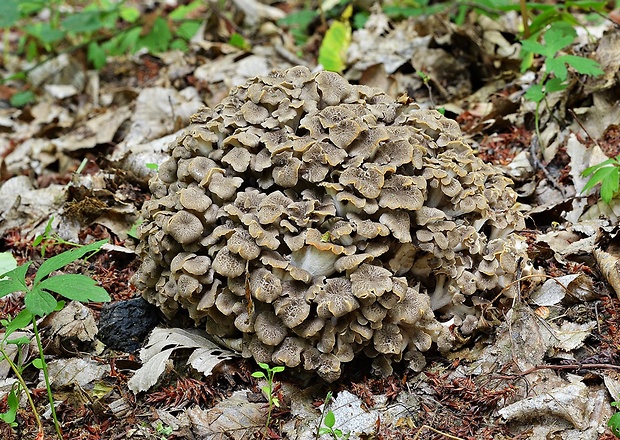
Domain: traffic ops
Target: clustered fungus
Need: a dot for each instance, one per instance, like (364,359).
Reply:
(318,220)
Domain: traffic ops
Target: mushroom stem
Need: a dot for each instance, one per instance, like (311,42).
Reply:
(440,296)
(318,263)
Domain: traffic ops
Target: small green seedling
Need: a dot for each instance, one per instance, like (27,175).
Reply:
(614,421)
(558,36)
(49,238)
(268,389)
(329,420)
(40,302)
(606,173)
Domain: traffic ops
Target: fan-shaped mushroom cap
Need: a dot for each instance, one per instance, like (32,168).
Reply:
(243,244)
(370,281)
(399,223)
(335,299)
(289,352)
(326,365)
(269,329)
(388,339)
(265,286)
(228,264)
(333,88)
(184,227)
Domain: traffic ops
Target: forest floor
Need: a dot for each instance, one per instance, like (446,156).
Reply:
(77,158)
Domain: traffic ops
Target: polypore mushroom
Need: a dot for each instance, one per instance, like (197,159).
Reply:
(317,221)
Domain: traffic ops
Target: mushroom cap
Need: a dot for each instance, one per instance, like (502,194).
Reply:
(335,299)
(184,227)
(269,329)
(265,286)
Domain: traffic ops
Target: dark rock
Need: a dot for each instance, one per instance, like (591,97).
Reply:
(124,325)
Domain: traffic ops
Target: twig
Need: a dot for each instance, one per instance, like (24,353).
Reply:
(537,163)
(576,367)
(436,431)
(574,115)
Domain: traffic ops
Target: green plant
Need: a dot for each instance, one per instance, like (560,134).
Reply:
(163,430)
(329,420)
(102,28)
(269,389)
(49,238)
(606,173)
(557,37)
(614,421)
(39,301)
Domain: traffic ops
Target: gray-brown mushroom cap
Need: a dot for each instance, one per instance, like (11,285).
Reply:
(185,227)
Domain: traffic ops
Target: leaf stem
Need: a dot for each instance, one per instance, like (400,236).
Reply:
(22,383)
(47,378)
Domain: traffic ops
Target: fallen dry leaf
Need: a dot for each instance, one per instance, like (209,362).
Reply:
(155,355)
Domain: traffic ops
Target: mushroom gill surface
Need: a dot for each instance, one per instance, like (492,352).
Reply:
(318,220)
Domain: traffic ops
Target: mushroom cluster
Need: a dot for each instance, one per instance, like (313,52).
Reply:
(319,220)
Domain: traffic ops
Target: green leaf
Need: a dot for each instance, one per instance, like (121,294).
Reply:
(182,11)
(96,55)
(37,363)
(360,19)
(557,67)
(159,38)
(298,23)
(39,302)
(65,258)
(7,262)
(124,42)
(188,29)
(75,287)
(23,340)
(15,280)
(600,175)
(263,365)
(44,32)
(20,99)
(267,390)
(535,93)
(334,46)
(614,424)
(39,238)
(21,321)
(609,187)
(11,413)
(278,369)
(9,13)
(133,232)
(593,168)
(129,14)
(237,40)
(82,22)
(534,47)
(582,65)
(258,374)
(558,36)
(330,419)
(554,85)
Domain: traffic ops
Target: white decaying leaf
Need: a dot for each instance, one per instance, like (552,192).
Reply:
(579,286)
(160,346)
(234,418)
